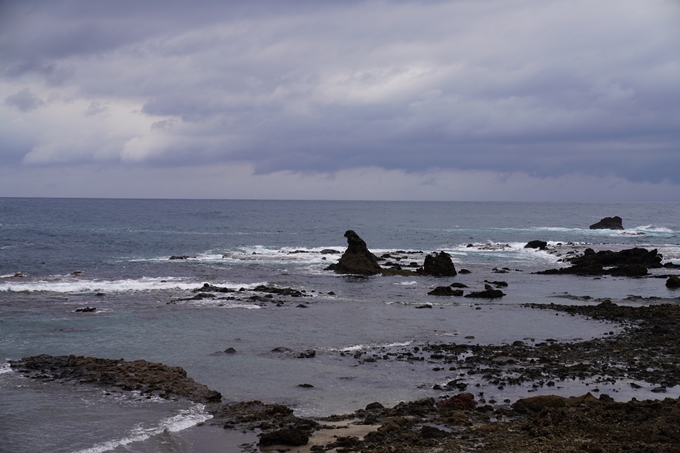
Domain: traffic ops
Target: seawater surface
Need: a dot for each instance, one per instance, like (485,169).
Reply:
(59,255)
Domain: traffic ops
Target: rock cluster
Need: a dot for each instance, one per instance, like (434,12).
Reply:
(629,263)
(148,378)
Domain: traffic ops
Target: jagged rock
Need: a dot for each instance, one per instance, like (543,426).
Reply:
(439,265)
(146,377)
(445,291)
(357,259)
(608,223)
(541,245)
(673,282)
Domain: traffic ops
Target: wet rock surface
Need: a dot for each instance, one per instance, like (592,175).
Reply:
(151,379)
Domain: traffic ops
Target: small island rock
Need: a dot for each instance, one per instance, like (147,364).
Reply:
(608,223)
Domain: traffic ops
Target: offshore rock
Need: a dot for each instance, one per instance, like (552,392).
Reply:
(673,282)
(148,378)
(445,291)
(357,259)
(488,293)
(541,245)
(629,263)
(439,265)
(608,223)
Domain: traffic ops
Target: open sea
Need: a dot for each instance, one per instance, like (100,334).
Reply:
(59,255)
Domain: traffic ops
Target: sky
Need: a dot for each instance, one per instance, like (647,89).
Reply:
(504,100)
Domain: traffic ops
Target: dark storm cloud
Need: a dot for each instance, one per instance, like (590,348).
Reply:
(545,88)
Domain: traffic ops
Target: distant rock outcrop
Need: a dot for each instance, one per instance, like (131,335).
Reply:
(626,263)
(357,259)
(673,282)
(608,223)
(439,265)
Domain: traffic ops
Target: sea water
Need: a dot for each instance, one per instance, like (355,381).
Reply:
(58,255)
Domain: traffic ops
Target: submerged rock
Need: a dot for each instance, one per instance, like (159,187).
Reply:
(445,291)
(488,293)
(608,223)
(145,377)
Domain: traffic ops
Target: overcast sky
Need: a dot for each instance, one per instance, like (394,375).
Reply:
(444,100)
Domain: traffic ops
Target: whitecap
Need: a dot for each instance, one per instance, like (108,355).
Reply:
(68,284)
(185,419)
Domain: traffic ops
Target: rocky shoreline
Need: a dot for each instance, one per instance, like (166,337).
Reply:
(647,350)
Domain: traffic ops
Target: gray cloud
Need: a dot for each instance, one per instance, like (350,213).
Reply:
(543,88)
(24,100)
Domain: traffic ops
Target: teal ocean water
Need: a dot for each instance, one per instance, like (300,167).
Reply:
(59,255)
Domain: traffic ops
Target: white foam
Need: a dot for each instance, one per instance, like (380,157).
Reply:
(68,284)
(359,347)
(5,368)
(411,283)
(185,419)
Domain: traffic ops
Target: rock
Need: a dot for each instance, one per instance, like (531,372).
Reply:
(541,245)
(458,285)
(357,259)
(181,257)
(373,406)
(488,293)
(145,377)
(329,252)
(230,351)
(464,271)
(464,401)
(424,306)
(629,262)
(608,223)
(306,386)
(431,432)
(673,282)
(287,436)
(308,354)
(536,403)
(445,291)
(497,284)
(85,309)
(439,265)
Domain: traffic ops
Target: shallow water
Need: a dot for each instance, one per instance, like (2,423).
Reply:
(122,249)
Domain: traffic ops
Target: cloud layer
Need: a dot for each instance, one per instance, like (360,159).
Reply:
(548,90)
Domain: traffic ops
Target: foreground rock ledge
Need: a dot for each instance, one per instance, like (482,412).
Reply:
(153,379)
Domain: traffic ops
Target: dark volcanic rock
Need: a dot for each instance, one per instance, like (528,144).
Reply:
(357,259)
(439,265)
(536,245)
(287,436)
(630,262)
(673,282)
(145,377)
(445,291)
(488,293)
(608,223)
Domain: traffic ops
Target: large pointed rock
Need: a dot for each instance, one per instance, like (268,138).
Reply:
(357,259)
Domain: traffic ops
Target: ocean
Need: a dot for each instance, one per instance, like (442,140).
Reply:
(61,255)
